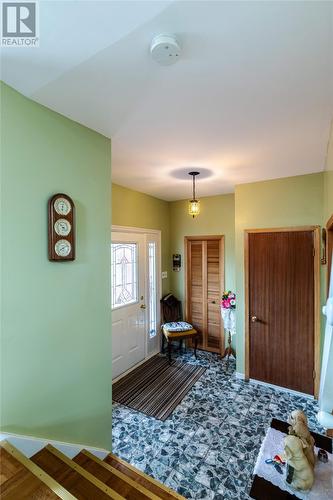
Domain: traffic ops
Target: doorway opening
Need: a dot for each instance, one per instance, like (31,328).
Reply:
(135,296)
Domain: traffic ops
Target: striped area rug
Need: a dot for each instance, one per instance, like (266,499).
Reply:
(155,387)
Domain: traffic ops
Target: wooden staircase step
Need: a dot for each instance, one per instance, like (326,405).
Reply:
(78,481)
(159,489)
(121,483)
(22,479)
(9,465)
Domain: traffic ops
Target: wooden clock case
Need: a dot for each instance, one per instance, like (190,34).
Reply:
(53,237)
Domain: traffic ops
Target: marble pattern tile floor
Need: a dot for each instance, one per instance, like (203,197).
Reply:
(208,447)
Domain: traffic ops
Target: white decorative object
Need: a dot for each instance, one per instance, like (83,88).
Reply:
(229,320)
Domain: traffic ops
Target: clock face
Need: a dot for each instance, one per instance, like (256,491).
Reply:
(62,206)
(62,248)
(62,227)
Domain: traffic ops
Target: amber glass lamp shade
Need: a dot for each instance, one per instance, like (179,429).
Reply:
(194,208)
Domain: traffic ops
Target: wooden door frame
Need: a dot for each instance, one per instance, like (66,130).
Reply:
(329,246)
(316,238)
(187,239)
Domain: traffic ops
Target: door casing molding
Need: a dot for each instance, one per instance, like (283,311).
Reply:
(329,248)
(316,240)
(200,237)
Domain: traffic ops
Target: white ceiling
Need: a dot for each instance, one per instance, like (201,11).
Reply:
(251,97)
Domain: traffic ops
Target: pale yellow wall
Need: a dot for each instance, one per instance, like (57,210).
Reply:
(131,208)
(217,217)
(134,209)
(292,201)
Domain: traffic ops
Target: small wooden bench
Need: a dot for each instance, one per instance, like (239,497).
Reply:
(186,334)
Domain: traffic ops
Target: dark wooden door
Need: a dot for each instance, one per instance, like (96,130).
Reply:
(204,289)
(281,308)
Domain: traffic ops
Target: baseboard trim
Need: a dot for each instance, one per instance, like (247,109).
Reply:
(29,445)
(240,375)
(282,389)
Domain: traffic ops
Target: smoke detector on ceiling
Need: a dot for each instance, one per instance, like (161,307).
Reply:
(165,49)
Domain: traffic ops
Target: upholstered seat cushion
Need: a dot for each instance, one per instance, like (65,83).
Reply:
(177,326)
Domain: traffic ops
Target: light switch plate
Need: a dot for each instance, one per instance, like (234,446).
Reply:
(164,275)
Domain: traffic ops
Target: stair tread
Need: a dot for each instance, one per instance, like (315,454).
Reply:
(148,482)
(50,475)
(9,466)
(58,466)
(20,482)
(113,478)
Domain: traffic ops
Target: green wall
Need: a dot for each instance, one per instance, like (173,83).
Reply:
(217,217)
(134,209)
(328,180)
(292,201)
(56,325)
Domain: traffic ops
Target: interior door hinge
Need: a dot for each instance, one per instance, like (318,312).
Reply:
(314,251)
(314,374)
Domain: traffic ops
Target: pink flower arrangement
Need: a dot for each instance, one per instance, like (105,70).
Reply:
(228,300)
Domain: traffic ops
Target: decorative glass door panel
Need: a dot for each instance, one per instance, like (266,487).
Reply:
(124,282)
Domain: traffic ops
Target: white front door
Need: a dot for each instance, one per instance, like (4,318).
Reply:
(134,299)
(127,295)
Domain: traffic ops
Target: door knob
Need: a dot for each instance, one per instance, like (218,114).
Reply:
(143,306)
(254,319)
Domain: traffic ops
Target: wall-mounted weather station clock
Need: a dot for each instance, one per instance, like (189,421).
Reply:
(61,226)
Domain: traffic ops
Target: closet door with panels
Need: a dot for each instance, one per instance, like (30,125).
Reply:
(204,287)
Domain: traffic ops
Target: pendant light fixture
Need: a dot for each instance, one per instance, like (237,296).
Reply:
(194,204)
